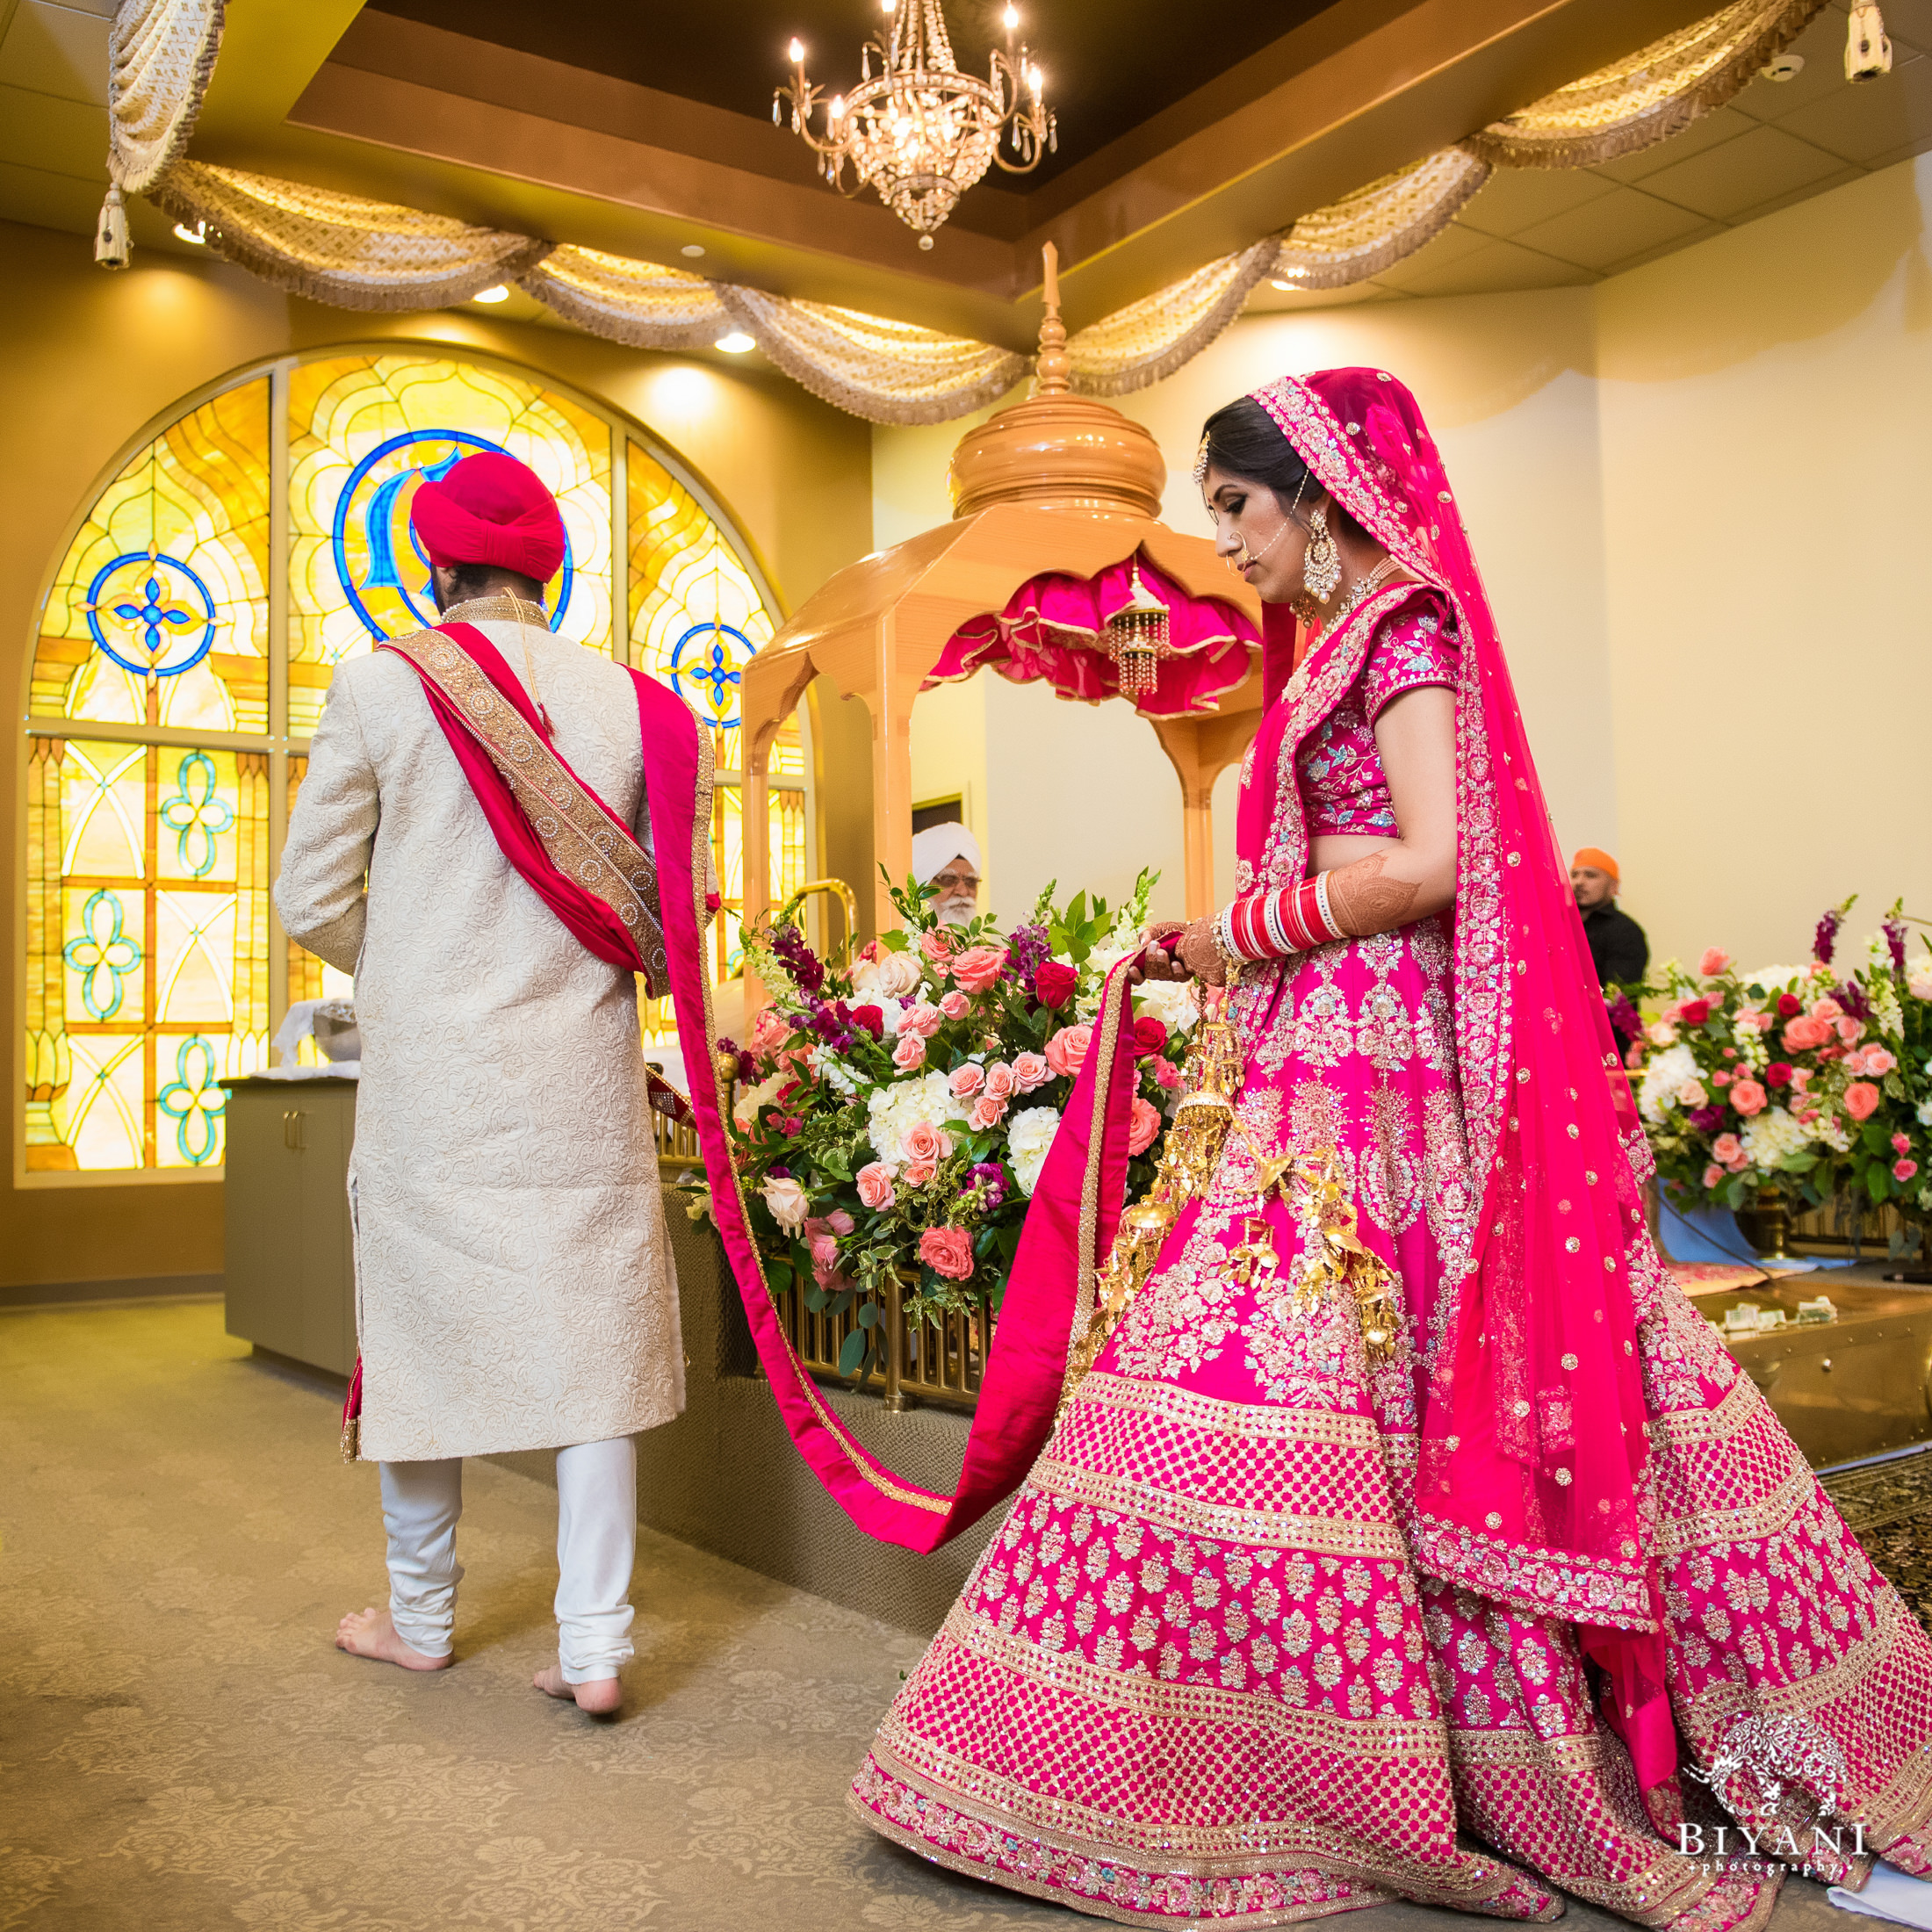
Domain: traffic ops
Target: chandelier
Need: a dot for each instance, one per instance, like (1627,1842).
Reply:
(918,131)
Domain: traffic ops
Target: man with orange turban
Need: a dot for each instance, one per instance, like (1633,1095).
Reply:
(1616,942)
(514,1281)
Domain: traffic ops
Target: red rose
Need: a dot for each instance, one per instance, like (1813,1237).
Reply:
(1053,983)
(1778,1074)
(872,1019)
(1149,1035)
(1694,1013)
(1789,1003)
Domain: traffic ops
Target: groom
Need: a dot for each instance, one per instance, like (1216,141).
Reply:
(471,841)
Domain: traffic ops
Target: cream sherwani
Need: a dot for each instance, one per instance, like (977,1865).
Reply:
(514,1280)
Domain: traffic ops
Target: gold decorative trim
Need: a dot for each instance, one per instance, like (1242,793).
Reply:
(1239,1421)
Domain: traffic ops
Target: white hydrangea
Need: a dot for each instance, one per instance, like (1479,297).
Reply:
(1029,1134)
(1170,1001)
(1769,1136)
(750,1099)
(1664,1074)
(896,1109)
(1775,979)
(1925,1113)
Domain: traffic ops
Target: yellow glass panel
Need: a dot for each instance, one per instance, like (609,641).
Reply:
(364,431)
(158,611)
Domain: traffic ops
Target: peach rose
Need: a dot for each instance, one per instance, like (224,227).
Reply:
(897,975)
(923,1019)
(928,1142)
(1660,1033)
(1712,1175)
(1880,1061)
(1826,1008)
(1860,1099)
(952,1005)
(788,1201)
(979,967)
(1000,1084)
(1691,1094)
(1920,986)
(939,947)
(1713,962)
(1805,1033)
(1143,1126)
(947,1251)
(910,1052)
(1747,1097)
(1030,1071)
(965,1081)
(1067,1050)
(1727,1148)
(918,1173)
(875,1185)
(987,1113)
(1850,1032)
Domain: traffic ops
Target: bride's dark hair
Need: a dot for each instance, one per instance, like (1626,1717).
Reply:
(1242,440)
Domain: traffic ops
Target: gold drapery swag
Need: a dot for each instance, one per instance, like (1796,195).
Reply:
(160,54)
(370,254)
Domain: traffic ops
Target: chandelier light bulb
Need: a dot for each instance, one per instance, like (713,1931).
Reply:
(1011,17)
(736,343)
(835,108)
(796,52)
(1036,80)
(498,293)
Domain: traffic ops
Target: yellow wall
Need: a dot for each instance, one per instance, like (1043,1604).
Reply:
(88,359)
(1699,492)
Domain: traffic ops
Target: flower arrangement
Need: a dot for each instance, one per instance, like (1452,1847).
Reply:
(1813,1081)
(893,1113)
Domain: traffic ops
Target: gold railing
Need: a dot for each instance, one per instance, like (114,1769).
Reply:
(839,890)
(942,1362)
(678,1148)
(1828,1228)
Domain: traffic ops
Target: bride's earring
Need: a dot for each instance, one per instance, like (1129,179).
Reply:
(1321,568)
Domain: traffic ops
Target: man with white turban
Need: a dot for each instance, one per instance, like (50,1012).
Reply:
(948,856)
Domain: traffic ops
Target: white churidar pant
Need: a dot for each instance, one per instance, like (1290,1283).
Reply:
(596,1546)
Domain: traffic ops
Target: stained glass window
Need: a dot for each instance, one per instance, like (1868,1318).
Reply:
(185,650)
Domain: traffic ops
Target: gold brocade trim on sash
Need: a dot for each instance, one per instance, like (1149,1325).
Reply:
(580,835)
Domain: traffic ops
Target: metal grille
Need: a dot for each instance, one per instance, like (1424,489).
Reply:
(942,1362)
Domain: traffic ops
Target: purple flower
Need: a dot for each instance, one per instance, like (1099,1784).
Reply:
(1825,942)
(1625,1021)
(747,1067)
(1851,996)
(805,967)
(778,1173)
(990,1180)
(1705,1120)
(1894,932)
(1027,949)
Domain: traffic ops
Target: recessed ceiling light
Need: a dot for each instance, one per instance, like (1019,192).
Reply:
(1782,66)
(197,234)
(497,294)
(692,249)
(736,343)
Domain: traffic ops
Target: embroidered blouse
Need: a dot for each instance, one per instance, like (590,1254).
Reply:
(1344,787)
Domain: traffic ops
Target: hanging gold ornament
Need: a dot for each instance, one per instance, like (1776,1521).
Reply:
(1135,639)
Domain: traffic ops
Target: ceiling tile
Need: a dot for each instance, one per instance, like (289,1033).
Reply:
(1703,232)
(1776,202)
(1515,199)
(1494,267)
(1908,21)
(66,137)
(1742,174)
(1875,118)
(1821,47)
(1452,245)
(49,200)
(58,51)
(1624,223)
(1720,125)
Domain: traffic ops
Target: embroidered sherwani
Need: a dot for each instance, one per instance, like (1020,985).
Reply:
(514,1279)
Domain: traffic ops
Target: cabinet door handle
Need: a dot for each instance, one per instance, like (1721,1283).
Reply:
(291,1130)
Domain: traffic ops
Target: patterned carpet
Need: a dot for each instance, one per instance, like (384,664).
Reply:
(182,1749)
(1890,1508)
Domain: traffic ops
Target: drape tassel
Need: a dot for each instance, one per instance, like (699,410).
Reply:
(112,247)
(1867,53)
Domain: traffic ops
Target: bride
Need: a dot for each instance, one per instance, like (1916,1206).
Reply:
(1412,1537)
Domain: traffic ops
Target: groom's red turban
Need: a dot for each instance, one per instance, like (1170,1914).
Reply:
(491,510)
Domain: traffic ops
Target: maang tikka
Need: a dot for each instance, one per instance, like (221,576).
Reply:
(1321,567)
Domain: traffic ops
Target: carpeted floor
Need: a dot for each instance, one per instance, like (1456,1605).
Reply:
(181,1748)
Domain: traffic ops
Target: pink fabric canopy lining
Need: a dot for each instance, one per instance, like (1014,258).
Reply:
(1051,628)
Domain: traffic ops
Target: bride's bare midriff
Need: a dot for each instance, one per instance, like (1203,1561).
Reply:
(1332,850)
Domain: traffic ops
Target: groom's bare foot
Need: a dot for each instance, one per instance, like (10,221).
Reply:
(372,1633)
(600,1697)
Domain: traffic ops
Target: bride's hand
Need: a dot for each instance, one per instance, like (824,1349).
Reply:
(1157,962)
(1200,955)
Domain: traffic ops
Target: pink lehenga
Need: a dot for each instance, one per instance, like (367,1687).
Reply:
(1527,1600)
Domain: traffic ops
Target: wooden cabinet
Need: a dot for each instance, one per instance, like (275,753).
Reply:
(291,1250)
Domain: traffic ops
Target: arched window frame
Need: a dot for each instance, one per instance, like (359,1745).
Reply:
(278,747)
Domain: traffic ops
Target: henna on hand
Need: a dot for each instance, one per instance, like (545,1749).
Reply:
(1201,955)
(1364,902)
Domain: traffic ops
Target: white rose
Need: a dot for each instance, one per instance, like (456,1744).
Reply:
(898,974)
(788,1202)
(1660,1033)
(1029,1135)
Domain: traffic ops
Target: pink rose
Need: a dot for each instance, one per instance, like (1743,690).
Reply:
(1920,986)
(1727,1148)
(979,967)
(1801,1078)
(1804,1033)
(1143,1126)
(1001,1084)
(788,1202)
(965,1081)
(1826,1008)
(947,1251)
(928,1142)
(987,1113)
(1713,963)
(1747,1096)
(825,1254)
(1880,1061)
(1167,1074)
(1030,1071)
(924,1019)
(1904,1170)
(1712,1175)
(769,1032)
(1720,1078)
(875,1185)
(918,1173)
(910,1052)
(1901,1143)
(1860,1099)
(1067,1050)
(952,1005)
(1851,1031)
(939,946)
